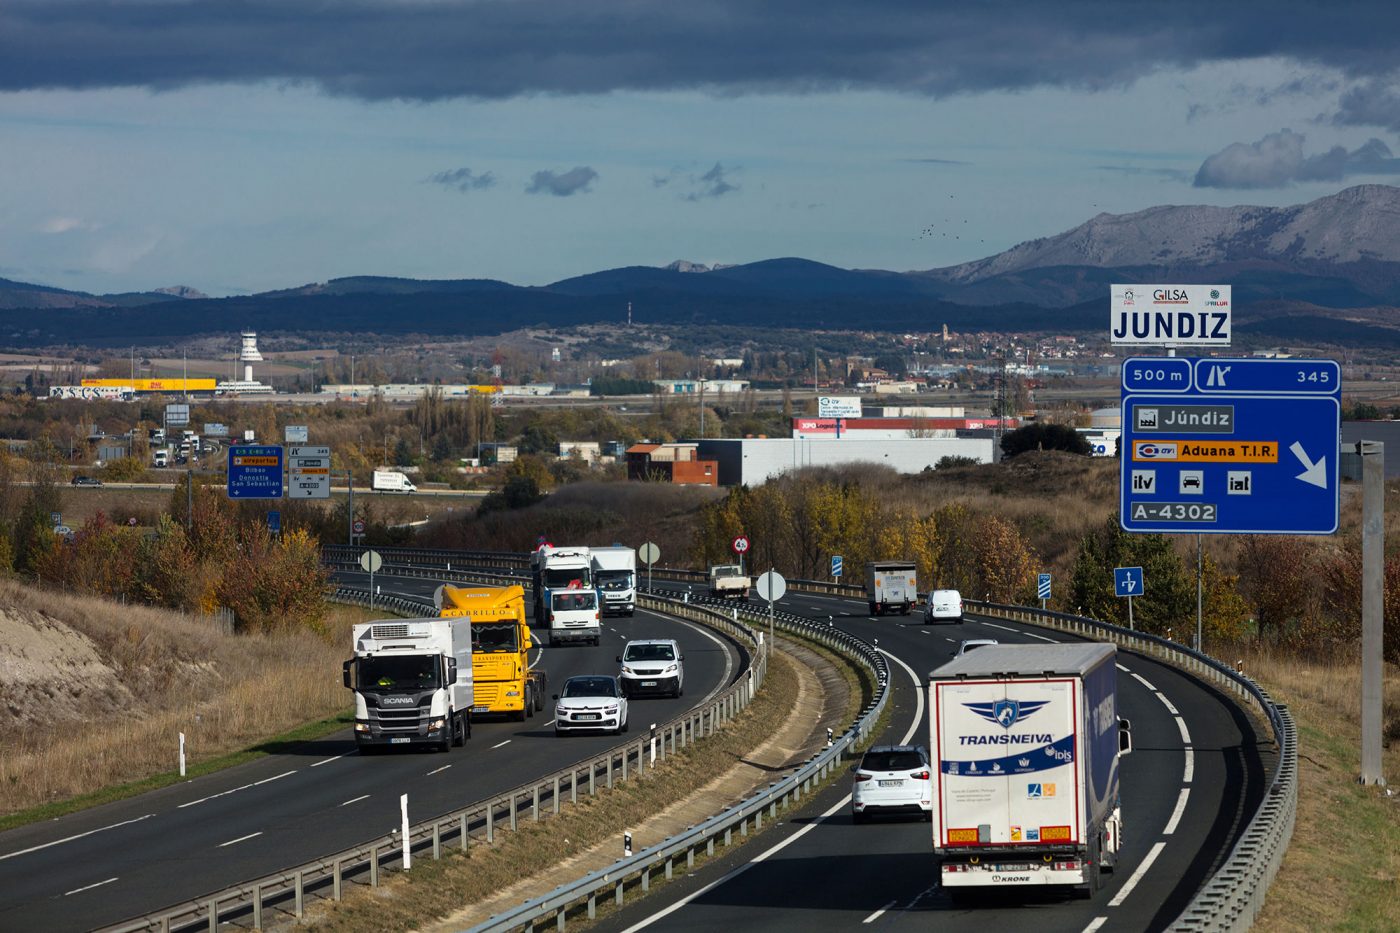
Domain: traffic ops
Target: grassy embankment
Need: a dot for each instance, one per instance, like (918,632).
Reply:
(100,721)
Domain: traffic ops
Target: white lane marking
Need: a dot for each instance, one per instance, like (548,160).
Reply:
(1176,814)
(88,887)
(1041,637)
(239,839)
(1190,767)
(539,657)
(953,640)
(1185,734)
(1143,680)
(1002,627)
(235,790)
(328,760)
(924,631)
(878,914)
(1095,924)
(764,856)
(550,723)
(437,771)
(1168,703)
(1122,895)
(355,800)
(71,838)
(499,744)
(1126,671)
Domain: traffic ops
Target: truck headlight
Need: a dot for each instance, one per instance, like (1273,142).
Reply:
(361,727)
(436,724)
(512,693)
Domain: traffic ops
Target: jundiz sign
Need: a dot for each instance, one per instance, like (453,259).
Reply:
(1170,315)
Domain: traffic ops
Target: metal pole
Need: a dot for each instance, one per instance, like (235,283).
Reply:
(189,499)
(350,509)
(1372,607)
(1130,610)
(1199,641)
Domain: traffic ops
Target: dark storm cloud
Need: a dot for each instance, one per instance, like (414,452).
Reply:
(562,184)
(1277,160)
(424,50)
(1373,103)
(463,179)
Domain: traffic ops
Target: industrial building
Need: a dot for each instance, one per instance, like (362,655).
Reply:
(671,463)
(752,461)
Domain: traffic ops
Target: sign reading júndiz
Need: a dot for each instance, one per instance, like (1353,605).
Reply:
(1206,451)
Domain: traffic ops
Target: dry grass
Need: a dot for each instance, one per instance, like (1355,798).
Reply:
(438,889)
(180,675)
(1347,839)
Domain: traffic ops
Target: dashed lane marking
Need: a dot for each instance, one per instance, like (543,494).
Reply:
(87,887)
(328,760)
(355,800)
(71,838)
(1176,814)
(1127,889)
(500,744)
(239,839)
(437,771)
(1095,924)
(235,790)
(878,914)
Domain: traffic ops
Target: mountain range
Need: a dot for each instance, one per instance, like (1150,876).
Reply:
(1329,268)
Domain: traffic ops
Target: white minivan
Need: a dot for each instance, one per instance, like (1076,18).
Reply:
(652,665)
(944,606)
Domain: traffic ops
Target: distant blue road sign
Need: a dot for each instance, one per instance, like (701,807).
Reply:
(836,565)
(1127,581)
(1042,586)
(55,518)
(254,472)
(274,522)
(1230,446)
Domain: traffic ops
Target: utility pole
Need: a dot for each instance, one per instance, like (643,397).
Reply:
(350,508)
(1372,608)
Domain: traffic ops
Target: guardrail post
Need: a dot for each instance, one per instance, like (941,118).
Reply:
(592,770)
(213,915)
(257,907)
(437,841)
(593,906)
(646,879)
(374,865)
(535,803)
(617,894)
(462,831)
(610,779)
(491,821)
(556,795)
(335,881)
(669,860)
(300,894)
(573,786)
(512,811)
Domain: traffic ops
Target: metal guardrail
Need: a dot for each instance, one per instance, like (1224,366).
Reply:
(1233,896)
(287,890)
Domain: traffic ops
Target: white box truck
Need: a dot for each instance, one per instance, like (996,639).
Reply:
(413,683)
(615,577)
(391,481)
(553,568)
(728,581)
(891,586)
(1026,742)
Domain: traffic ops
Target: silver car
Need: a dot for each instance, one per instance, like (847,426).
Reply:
(590,702)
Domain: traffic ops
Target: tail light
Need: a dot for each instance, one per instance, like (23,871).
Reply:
(595,615)
(920,775)
(862,777)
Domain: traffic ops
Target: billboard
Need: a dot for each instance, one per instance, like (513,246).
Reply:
(117,392)
(1169,315)
(838,406)
(157,385)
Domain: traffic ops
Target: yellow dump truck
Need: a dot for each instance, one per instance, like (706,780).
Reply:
(501,642)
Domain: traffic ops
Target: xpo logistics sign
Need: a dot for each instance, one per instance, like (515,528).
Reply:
(1170,315)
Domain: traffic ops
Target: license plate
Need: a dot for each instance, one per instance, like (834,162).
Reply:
(1014,866)
(648,683)
(396,741)
(586,716)
(899,783)
(481,709)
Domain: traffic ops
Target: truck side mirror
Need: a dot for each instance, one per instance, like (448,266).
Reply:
(451,670)
(1125,737)
(345,673)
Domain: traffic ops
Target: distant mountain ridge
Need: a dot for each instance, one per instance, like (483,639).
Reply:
(1339,252)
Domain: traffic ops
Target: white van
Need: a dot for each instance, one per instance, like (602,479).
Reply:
(573,616)
(944,606)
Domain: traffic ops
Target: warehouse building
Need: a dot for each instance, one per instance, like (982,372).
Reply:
(752,461)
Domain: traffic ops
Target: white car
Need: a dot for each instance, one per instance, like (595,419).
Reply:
(972,644)
(944,606)
(652,665)
(892,779)
(590,702)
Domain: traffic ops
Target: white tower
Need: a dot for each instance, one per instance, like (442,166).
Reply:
(249,354)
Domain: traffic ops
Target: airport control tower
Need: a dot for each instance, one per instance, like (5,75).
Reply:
(249,354)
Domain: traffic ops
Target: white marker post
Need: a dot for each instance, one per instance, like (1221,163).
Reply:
(403,812)
(182,754)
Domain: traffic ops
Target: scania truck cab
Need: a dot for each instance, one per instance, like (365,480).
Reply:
(412,680)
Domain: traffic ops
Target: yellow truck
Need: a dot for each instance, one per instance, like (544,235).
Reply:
(502,679)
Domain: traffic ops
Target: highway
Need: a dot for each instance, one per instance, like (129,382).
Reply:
(1194,778)
(109,863)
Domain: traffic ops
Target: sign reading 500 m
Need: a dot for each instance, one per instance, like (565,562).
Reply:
(1170,315)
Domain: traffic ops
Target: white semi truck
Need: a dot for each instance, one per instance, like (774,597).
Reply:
(891,586)
(615,576)
(413,683)
(391,481)
(1026,742)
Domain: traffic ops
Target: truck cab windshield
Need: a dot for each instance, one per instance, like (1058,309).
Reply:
(575,599)
(613,579)
(497,638)
(407,672)
(565,579)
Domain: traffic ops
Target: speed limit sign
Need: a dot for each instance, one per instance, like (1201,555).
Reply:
(741,544)
(359,526)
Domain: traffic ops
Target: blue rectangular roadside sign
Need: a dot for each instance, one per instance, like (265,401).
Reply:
(274,522)
(836,565)
(1230,446)
(255,472)
(1042,586)
(1127,581)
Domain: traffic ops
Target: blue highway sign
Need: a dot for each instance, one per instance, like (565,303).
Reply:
(255,472)
(1127,581)
(1230,446)
(1042,586)
(274,522)
(836,563)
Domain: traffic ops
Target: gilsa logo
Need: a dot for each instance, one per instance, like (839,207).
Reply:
(1006,713)
(1171,296)
(1156,451)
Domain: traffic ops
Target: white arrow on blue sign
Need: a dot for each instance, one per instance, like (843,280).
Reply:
(1042,586)
(836,565)
(1127,581)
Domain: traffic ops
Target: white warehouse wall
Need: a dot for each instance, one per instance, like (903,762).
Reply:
(752,461)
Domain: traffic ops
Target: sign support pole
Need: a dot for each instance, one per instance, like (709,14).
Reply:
(1200,642)
(1130,614)
(1372,607)
(350,509)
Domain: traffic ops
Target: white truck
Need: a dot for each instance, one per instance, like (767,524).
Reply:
(1025,743)
(160,458)
(728,581)
(391,481)
(413,683)
(573,616)
(891,586)
(615,577)
(554,568)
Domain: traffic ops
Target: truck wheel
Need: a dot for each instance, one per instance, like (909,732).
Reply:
(873,609)
(529,704)
(459,731)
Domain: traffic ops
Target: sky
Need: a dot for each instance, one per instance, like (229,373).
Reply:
(237,147)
